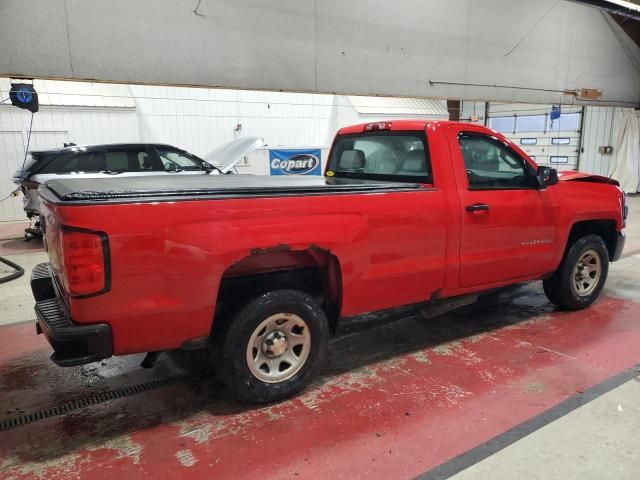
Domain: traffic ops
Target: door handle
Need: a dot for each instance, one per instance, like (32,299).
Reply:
(477,207)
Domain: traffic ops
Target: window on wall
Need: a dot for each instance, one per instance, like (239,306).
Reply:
(492,165)
(561,141)
(502,124)
(566,122)
(530,123)
(559,159)
(528,141)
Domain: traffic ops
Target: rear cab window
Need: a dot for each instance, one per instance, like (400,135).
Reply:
(399,156)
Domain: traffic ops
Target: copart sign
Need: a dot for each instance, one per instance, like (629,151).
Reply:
(295,162)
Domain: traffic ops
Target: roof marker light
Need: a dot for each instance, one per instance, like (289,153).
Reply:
(370,127)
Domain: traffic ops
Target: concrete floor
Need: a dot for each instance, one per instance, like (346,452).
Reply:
(508,388)
(597,441)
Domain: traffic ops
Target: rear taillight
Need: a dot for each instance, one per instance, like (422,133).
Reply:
(85,262)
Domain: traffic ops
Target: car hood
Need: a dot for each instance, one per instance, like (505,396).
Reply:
(226,156)
(572,176)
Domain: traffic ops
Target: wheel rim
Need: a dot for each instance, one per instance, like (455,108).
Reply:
(587,273)
(278,347)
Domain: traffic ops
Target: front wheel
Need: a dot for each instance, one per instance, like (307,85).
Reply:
(581,275)
(273,347)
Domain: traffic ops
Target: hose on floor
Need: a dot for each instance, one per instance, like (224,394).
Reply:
(19,271)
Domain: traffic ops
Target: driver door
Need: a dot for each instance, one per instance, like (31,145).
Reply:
(507,220)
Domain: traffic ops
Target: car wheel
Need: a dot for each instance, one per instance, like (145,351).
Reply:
(273,346)
(581,275)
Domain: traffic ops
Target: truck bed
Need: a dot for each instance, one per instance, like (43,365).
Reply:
(165,188)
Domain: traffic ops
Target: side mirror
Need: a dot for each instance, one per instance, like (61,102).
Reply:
(547,176)
(207,167)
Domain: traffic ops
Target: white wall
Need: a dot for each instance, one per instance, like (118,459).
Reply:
(200,119)
(52,126)
(195,119)
(370,47)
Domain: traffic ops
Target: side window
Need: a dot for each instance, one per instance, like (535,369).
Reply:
(491,164)
(144,162)
(88,162)
(130,160)
(116,161)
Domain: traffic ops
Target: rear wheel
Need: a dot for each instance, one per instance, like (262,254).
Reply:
(581,275)
(273,346)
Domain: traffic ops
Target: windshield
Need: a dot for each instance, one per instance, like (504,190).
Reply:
(177,159)
(394,156)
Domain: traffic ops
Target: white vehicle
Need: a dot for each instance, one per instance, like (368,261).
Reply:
(126,159)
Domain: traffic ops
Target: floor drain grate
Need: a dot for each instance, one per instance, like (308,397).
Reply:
(91,400)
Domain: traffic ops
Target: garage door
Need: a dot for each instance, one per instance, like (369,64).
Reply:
(12,144)
(553,143)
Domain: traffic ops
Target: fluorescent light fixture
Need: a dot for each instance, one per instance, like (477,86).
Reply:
(624,4)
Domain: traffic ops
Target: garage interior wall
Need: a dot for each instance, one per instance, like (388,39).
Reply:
(195,119)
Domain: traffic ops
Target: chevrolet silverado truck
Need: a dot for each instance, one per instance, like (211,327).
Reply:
(261,270)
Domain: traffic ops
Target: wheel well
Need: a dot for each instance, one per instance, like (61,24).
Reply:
(606,229)
(313,271)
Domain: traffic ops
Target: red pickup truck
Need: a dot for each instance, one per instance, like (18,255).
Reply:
(260,270)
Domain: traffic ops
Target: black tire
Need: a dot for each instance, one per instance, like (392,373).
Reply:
(230,346)
(560,288)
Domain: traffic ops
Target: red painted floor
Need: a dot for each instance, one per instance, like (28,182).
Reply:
(395,400)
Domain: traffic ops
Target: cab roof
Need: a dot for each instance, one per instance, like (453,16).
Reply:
(400,125)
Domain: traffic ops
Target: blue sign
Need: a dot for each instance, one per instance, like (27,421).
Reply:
(555,112)
(295,162)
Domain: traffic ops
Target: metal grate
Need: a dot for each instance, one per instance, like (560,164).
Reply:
(89,401)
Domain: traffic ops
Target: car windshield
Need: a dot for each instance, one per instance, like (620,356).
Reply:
(394,156)
(178,159)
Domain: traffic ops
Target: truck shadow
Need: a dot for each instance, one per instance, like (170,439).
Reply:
(362,341)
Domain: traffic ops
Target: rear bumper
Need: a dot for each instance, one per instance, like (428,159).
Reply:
(619,246)
(72,344)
